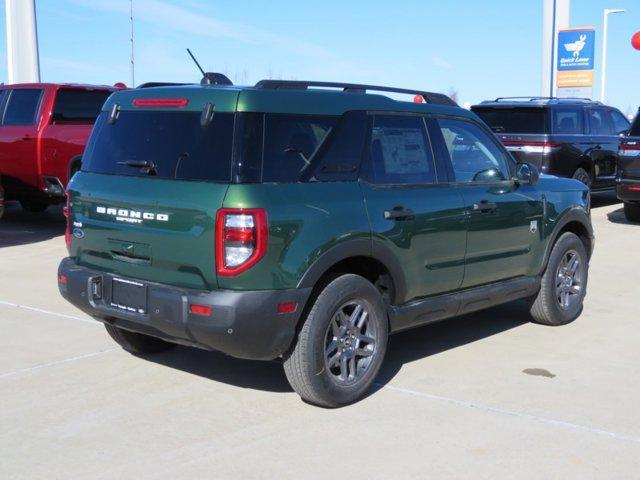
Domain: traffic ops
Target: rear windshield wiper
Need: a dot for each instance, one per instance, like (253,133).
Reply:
(145,166)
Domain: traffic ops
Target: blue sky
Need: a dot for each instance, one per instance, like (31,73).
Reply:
(481,49)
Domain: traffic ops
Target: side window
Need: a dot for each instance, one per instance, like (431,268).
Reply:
(290,143)
(400,152)
(475,157)
(22,107)
(568,121)
(620,123)
(78,106)
(599,123)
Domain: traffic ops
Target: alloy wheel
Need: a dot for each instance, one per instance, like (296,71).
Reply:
(351,343)
(569,280)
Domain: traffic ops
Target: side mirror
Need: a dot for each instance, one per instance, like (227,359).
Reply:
(527,173)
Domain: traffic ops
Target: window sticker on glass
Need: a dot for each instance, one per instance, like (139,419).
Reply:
(403,150)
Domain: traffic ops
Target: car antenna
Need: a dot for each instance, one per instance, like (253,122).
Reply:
(209,78)
(196,62)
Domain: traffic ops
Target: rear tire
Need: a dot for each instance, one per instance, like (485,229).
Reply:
(137,342)
(341,345)
(564,283)
(632,211)
(33,206)
(583,176)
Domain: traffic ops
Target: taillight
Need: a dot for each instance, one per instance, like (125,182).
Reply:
(241,239)
(67,213)
(160,102)
(530,146)
(629,150)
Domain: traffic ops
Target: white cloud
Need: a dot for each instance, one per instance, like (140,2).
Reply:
(441,62)
(177,18)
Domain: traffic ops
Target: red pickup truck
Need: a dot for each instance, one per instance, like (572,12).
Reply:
(43,131)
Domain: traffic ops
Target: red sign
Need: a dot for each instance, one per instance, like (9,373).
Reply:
(635,41)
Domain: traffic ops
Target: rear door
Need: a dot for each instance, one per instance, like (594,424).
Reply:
(505,219)
(605,147)
(412,211)
(19,139)
(144,204)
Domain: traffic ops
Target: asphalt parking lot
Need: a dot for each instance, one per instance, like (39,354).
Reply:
(488,395)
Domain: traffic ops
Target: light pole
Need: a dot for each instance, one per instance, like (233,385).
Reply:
(603,77)
(133,67)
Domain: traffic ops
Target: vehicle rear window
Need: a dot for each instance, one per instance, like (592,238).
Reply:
(162,144)
(22,107)
(525,120)
(78,106)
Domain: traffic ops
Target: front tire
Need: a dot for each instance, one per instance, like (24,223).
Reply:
(564,283)
(137,343)
(341,345)
(632,211)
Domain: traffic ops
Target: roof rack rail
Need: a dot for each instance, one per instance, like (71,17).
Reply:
(533,99)
(161,84)
(502,99)
(429,97)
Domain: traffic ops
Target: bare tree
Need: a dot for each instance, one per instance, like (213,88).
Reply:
(453,94)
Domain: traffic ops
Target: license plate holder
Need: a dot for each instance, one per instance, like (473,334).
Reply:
(128,296)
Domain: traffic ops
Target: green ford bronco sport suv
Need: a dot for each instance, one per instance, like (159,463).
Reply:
(306,221)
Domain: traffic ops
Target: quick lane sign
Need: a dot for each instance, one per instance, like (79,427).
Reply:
(576,52)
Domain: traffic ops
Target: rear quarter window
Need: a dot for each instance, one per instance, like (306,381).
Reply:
(281,148)
(78,106)
(525,120)
(162,144)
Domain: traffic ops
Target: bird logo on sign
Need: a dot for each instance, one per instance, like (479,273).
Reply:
(577,46)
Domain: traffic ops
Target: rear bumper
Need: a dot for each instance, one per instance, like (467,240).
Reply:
(628,190)
(243,324)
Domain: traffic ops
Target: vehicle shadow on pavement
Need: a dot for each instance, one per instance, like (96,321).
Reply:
(419,343)
(267,376)
(404,348)
(603,199)
(18,227)
(617,216)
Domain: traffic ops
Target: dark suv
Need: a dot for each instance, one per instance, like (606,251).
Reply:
(629,172)
(307,221)
(575,138)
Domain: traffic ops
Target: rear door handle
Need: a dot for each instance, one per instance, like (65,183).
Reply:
(485,206)
(399,213)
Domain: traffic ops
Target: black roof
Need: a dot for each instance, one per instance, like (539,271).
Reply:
(537,101)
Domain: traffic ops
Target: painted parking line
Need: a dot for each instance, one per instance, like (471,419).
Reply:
(512,413)
(57,362)
(439,398)
(48,312)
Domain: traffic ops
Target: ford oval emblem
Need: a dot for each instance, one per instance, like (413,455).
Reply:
(78,233)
